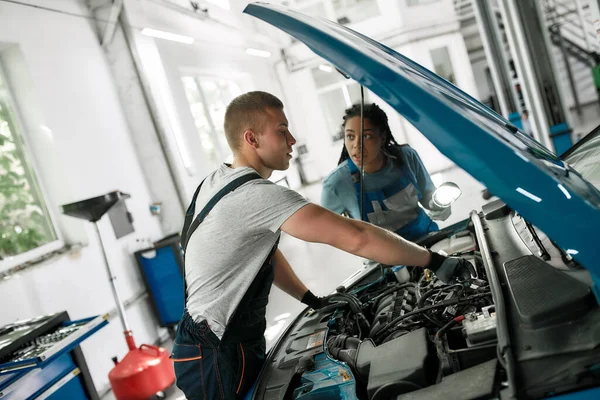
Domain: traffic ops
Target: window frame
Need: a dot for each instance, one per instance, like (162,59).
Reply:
(31,167)
(445,47)
(418,3)
(331,12)
(344,85)
(223,152)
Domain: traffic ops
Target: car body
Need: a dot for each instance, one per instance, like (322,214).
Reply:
(528,326)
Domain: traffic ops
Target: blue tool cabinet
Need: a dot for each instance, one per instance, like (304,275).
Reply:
(41,359)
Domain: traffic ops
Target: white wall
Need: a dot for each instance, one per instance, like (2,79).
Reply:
(61,80)
(145,132)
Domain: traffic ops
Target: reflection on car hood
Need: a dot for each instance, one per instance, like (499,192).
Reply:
(529,178)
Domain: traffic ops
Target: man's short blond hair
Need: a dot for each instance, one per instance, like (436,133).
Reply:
(247,111)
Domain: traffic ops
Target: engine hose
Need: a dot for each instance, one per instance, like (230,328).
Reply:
(353,302)
(424,298)
(428,293)
(343,348)
(356,307)
(374,300)
(433,320)
(342,342)
(332,306)
(445,328)
(386,330)
(348,356)
(362,322)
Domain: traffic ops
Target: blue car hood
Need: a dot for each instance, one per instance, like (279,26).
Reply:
(514,167)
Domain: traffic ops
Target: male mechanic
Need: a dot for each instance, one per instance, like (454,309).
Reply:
(231,258)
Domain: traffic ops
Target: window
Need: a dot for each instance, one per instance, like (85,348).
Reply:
(411,3)
(26,228)
(336,94)
(342,11)
(315,8)
(208,98)
(442,65)
(352,11)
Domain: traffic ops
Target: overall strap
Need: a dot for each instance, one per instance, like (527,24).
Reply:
(190,227)
(189,216)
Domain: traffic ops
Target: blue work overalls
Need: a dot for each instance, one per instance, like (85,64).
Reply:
(209,368)
(403,192)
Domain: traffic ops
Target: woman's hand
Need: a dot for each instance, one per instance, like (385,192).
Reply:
(440,214)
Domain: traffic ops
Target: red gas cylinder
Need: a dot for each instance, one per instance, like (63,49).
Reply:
(142,373)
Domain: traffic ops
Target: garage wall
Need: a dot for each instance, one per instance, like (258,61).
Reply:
(81,145)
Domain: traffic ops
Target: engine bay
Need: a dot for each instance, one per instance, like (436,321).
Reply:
(408,314)
(395,332)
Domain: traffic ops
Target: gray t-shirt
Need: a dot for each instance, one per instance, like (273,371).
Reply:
(229,247)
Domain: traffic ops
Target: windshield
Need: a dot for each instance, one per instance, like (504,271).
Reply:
(585,158)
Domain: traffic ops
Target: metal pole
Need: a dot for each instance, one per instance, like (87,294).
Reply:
(112,278)
(561,43)
(492,61)
(527,77)
(362,154)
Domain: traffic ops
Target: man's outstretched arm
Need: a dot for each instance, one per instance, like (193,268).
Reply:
(313,223)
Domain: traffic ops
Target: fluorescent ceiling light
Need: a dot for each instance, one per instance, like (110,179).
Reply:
(258,53)
(167,36)
(224,4)
(325,68)
(530,195)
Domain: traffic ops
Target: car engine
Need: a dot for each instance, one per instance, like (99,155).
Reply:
(408,314)
(523,326)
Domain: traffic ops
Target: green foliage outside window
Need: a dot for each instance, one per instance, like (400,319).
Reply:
(24,222)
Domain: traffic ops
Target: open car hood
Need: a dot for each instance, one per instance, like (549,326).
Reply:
(514,167)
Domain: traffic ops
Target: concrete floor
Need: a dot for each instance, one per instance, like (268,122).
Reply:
(323,268)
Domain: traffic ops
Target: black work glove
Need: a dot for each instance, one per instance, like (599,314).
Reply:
(449,268)
(313,301)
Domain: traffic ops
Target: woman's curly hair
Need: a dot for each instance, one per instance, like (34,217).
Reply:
(378,117)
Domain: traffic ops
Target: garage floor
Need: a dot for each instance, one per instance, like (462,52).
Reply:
(323,268)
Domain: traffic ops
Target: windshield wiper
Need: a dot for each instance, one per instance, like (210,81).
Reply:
(543,252)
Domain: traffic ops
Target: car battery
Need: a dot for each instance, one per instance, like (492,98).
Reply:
(479,328)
